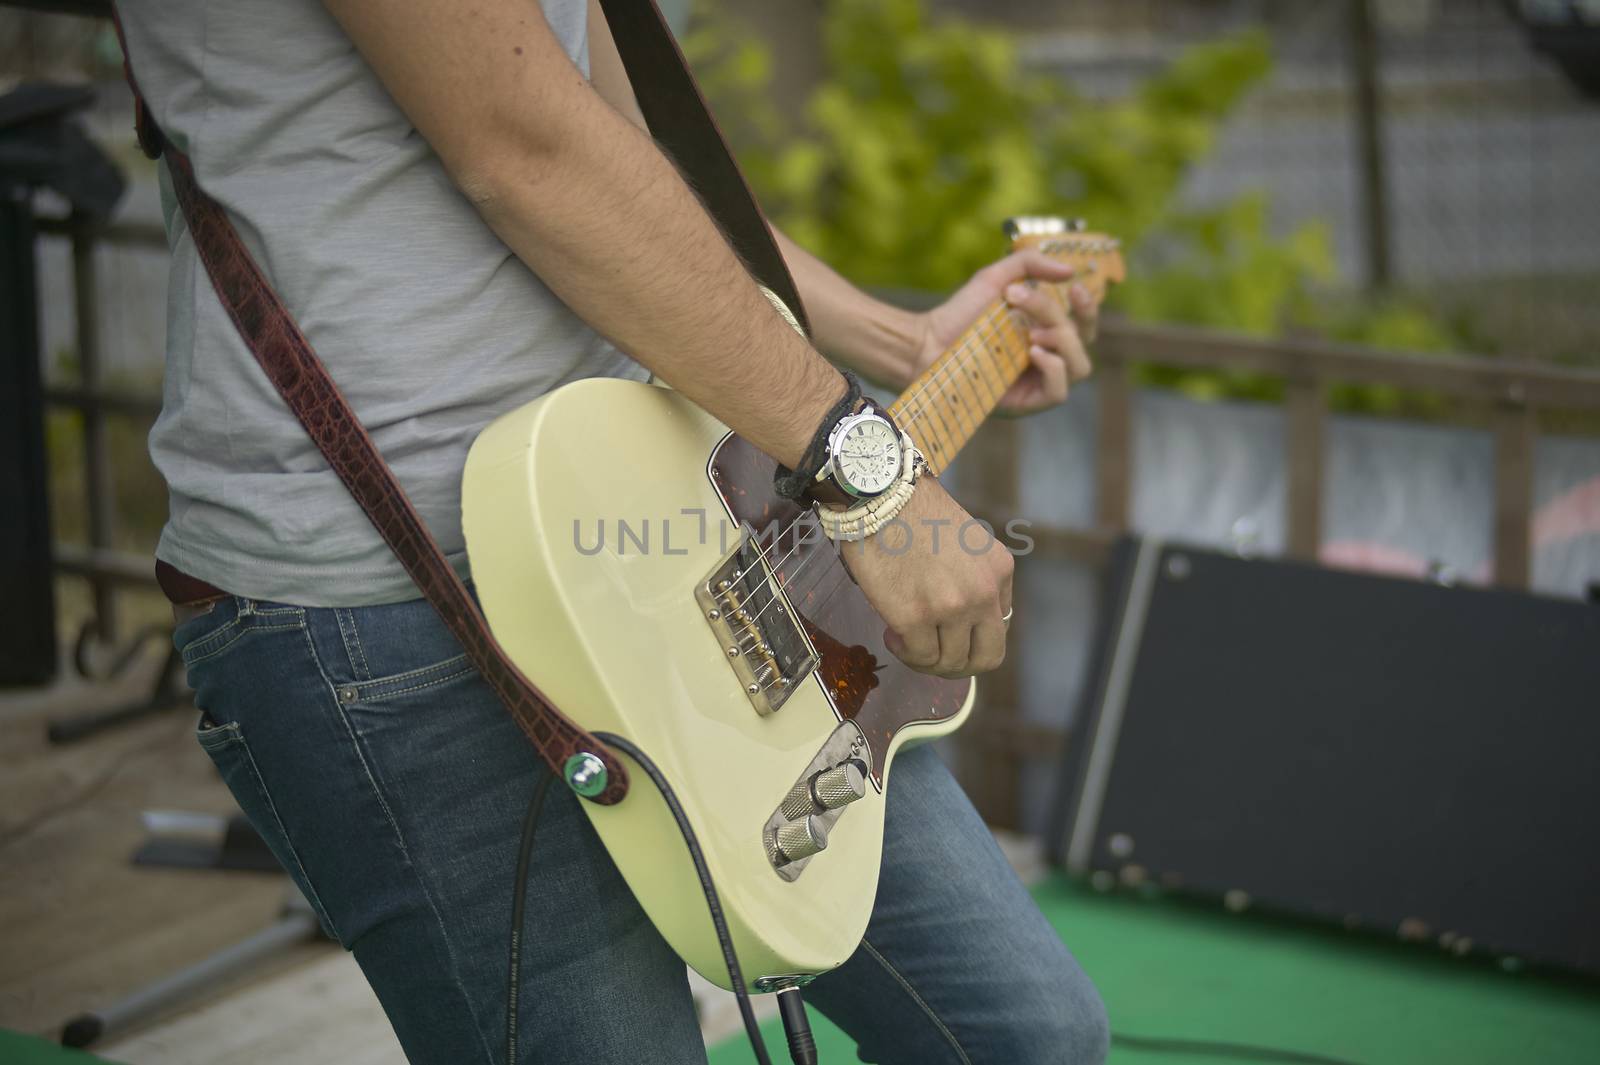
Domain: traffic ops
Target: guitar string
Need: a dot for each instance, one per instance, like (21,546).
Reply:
(961,357)
(950,366)
(997,343)
(991,317)
(841,579)
(786,584)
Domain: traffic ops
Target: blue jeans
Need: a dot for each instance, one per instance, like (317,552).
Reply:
(391,785)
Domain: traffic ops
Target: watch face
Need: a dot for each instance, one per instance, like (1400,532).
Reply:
(868,457)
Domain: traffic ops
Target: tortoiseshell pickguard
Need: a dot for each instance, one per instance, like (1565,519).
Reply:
(867,683)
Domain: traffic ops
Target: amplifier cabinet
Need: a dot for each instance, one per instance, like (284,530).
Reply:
(1383,753)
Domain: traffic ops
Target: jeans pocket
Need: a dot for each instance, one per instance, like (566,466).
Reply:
(225,745)
(226,624)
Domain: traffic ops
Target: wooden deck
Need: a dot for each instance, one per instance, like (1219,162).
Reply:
(80,926)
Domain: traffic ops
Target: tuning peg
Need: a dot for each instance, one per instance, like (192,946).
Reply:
(1042,226)
(1035,226)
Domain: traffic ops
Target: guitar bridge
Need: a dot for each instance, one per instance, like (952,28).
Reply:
(760,634)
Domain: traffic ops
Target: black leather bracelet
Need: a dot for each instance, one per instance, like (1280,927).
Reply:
(796,483)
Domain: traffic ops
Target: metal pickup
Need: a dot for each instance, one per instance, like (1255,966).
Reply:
(760,634)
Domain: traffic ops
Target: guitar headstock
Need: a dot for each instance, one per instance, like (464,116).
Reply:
(1096,258)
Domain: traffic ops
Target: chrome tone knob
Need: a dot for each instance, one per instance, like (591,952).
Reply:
(839,786)
(796,840)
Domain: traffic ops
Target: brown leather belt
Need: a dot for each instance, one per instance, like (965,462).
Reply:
(190,596)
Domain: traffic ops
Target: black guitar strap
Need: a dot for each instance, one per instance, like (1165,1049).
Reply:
(683,126)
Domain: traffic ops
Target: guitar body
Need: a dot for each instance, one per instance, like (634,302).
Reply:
(595,518)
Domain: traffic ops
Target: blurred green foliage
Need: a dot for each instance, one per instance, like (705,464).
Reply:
(924,133)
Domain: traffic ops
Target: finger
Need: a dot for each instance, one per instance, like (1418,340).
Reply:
(1052,375)
(955,645)
(917,647)
(1006,582)
(1021,265)
(1085,311)
(992,280)
(988,646)
(1041,306)
(1071,349)
(1064,343)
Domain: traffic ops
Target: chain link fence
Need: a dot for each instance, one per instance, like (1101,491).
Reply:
(1474,194)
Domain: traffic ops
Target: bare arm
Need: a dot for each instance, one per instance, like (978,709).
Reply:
(888,344)
(588,202)
(868,335)
(582,195)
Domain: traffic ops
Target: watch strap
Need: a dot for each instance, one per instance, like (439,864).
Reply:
(797,483)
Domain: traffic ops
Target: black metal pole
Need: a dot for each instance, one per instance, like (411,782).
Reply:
(27,589)
(1374,172)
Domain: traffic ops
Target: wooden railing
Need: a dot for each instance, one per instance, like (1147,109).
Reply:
(1510,393)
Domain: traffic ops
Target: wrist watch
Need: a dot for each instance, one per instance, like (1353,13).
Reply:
(866,451)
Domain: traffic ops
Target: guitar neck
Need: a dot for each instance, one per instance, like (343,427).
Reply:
(944,407)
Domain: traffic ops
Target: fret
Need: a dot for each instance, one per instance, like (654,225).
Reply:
(1002,365)
(958,392)
(976,371)
(937,446)
(1017,334)
(985,399)
(939,399)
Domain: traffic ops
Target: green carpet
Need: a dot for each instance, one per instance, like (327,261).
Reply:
(18,1049)
(1169,969)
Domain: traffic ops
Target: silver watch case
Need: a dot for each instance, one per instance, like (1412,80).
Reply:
(832,469)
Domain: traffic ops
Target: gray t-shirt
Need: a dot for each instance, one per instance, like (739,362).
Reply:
(430,325)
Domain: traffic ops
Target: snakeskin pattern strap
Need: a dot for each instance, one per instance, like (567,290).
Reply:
(286,357)
(305,385)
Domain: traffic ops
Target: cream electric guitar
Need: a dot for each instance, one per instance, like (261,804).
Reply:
(604,524)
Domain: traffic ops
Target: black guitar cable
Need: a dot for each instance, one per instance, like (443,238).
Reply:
(530,825)
(798,1038)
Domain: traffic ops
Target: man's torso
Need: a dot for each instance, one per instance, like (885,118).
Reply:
(429,324)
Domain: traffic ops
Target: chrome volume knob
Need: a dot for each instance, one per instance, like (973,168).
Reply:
(827,790)
(796,839)
(839,786)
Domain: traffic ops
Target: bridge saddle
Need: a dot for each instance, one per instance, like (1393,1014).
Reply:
(760,634)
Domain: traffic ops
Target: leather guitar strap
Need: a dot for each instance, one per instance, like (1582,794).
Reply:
(679,119)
